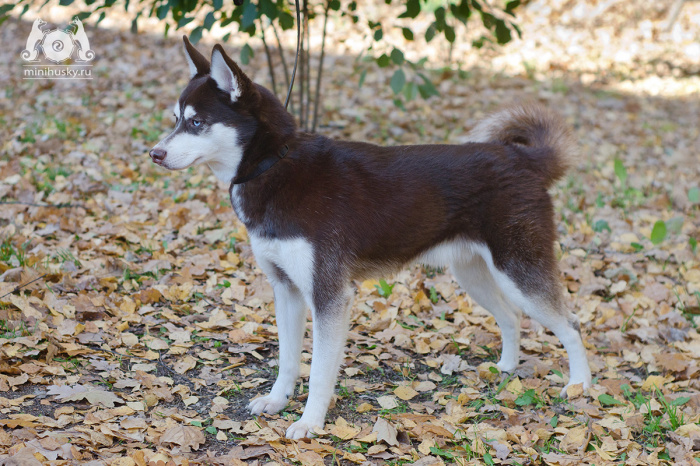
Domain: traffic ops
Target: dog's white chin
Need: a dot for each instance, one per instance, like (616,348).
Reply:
(180,165)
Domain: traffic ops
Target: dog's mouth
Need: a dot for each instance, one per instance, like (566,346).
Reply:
(163,163)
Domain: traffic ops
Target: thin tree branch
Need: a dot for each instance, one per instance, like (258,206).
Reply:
(19,287)
(284,62)
(307,75)
(302,69)
(319,74)
(30,204)
(269,58)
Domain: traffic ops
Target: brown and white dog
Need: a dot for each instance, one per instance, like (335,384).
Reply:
(321,213)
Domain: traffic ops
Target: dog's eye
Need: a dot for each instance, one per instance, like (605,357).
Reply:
(196,123)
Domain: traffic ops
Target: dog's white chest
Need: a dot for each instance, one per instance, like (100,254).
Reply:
(294,257)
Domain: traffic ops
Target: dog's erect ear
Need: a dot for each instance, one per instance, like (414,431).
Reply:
(227,75)
(198,64)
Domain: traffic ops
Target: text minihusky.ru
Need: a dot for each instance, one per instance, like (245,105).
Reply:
(57,72)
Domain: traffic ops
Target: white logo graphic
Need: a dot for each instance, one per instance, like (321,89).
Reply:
(58,45)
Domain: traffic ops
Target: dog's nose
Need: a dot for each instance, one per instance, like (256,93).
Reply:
(158,155)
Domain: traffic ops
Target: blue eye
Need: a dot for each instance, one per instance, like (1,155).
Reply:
(196,123)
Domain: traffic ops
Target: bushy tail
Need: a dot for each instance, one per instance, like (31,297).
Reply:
(531,125)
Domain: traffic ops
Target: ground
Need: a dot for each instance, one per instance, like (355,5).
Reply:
(143,325)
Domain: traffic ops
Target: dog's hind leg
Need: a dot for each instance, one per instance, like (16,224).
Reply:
(476,279)
(330,329)
(290,313)
(542,300)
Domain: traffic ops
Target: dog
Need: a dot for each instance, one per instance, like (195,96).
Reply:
(321,213)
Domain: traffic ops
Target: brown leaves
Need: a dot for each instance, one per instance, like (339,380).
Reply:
(186,437)
(91,394)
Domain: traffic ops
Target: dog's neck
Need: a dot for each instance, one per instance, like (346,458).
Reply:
(275,130)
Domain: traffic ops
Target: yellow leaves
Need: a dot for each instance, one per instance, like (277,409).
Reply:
(343,430)
(575,440)
(186,437)
(364,407)
(128,305)
(405,392)
(653,382)
(488,371)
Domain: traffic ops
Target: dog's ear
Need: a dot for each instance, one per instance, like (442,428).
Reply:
(198,64)
(227,74)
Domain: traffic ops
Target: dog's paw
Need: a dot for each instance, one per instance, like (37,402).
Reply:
(267,404)
(564,391)
(507,366)
(302,429)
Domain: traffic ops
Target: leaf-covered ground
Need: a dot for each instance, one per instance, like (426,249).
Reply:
(149,326)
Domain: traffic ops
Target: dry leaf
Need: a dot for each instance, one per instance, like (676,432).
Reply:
(187,437)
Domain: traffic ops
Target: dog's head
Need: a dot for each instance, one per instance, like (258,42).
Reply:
(217,117)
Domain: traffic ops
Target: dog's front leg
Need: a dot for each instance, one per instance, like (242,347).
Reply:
(331,321)
(290,313)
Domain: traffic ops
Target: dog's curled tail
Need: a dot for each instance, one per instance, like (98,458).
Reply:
(531,125)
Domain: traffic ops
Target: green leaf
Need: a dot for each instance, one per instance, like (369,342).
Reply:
(601,225)
(246,53)
(384,289)
(680,401)
(65,2)
(462,11)
(268,8)
(378,34)
(620,171)
(4,9)
(637,247)
(209,20)
(397,81)
(383,60)
(196,423)
(494,370)
(427,89)
(334,5)
(218,4)
(608,400)
(658,233)
(183,21)
(363,76)
(502,32)
(430,32)
(162,11)
(693,243)
(694,195)
(554,421)
(286,20)
(407,33)
(412,9)
(196,34)
(211,430)
(526,398)
(450,33)
(397,57)
(399,103)
(250,14)
(675,225)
